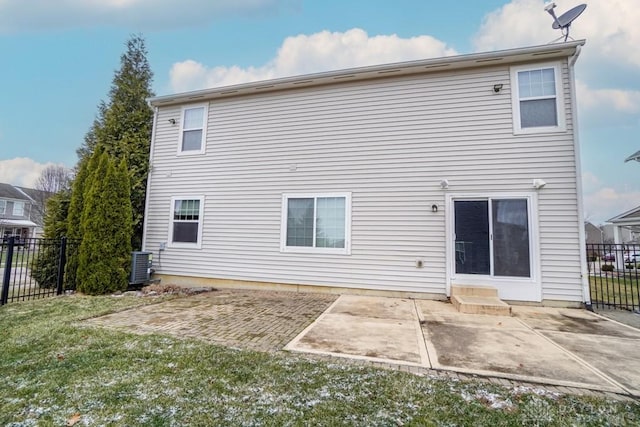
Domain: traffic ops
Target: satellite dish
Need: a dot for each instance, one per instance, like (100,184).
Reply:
(563,22)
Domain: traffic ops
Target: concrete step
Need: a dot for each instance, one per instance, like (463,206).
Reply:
(474,291)
(480,305)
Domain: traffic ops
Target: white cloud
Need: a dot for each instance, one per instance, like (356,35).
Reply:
(313,53)
(140,14)
(610,27)
(608,202)
(607,107)
(21,171)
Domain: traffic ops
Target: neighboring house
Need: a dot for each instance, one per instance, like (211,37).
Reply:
(593,233)
(609,231)
(402,178)
(20,212)
(625,228)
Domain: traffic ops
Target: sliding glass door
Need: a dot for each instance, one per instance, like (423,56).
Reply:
(492,237)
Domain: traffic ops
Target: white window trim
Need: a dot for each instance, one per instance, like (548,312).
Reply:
(18,203)
(205,119)
(198,244)
(303,249)
(515,99)
(3,207)
(525,288)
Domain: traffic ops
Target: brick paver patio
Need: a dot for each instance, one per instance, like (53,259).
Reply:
(256,320)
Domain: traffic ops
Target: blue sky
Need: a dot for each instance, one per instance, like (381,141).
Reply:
(58,59)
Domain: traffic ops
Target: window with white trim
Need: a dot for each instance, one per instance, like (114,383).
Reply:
(185,226)
(3,206)
(316,223)
(18,208)
(193,129)
(537,99)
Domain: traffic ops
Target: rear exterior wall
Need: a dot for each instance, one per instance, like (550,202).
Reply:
(389,142)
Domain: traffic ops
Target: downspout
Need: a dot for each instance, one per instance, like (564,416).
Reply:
(584,274)
(149,173)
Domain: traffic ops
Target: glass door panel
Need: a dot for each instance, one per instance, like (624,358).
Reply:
(510,238)
(472,249)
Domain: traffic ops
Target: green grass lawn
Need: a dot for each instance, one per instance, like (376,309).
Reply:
(609,288)
(56,370)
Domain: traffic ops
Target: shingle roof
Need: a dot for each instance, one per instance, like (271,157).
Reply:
(8,191)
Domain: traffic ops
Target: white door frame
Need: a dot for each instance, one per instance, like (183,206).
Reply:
(509,288)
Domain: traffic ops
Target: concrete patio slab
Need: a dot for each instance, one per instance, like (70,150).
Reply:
(610,347)
(373,328)
(500,345)
(573,321)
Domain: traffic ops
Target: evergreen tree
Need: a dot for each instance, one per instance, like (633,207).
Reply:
(123,125)
(106,227)
(45,269)
(76,205)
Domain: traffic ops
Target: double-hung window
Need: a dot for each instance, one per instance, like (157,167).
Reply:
(537,99)
(3,206)
(18,208)
(193,129)
(185,226)
(316,223)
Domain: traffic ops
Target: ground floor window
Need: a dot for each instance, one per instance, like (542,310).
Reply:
(493,236)
(316,223)
(185,226)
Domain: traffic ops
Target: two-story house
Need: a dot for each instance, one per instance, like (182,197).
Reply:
(19,212)
(403,179)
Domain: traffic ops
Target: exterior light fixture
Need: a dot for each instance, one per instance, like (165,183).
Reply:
(444,183)
(172,121)
(497,87)
(538,183)
(434,208)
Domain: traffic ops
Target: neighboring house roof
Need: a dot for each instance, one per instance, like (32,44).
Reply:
(635,156)
(510,56)
(629,219)
(630,215)
(19,223)
(34,194)
(8,191)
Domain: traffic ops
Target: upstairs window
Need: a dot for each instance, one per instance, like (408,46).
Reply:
(316,223)
(18,208)
(537,99)
(186,221)
(3,206)
(193,130)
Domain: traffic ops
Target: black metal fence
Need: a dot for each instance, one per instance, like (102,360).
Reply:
(34,268)
(614,275)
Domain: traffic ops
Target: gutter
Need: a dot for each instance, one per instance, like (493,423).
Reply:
(584,272)
(149,173)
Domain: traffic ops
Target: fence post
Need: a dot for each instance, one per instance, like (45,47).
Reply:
(62,263)
(7,271)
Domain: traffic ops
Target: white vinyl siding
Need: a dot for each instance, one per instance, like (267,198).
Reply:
(387,141)
(193,129)
(537,99)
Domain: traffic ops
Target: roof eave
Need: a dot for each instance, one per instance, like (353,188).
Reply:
(622,216)
(509,56)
